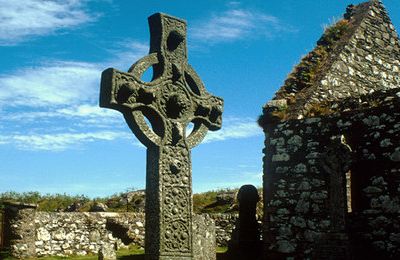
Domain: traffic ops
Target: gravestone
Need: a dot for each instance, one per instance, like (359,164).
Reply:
(107,252)
(249,231)
(174,98)
(246,242)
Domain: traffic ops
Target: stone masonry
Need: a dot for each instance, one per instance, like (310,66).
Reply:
(364,59)
(332,147)
(35,233)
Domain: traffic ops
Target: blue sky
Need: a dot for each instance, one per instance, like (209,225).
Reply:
(55,139)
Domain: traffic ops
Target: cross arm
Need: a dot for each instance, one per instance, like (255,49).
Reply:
(207,116)
(209,112)
(108,89)
(123,91)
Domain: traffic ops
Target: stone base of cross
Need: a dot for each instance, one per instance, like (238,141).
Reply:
(174,98)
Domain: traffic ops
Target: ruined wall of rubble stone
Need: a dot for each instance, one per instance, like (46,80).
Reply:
(224,225)
(204,242)
(19,229)
(297,186)
(79,233)
(76,233)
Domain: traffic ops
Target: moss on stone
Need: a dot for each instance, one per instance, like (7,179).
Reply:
(307,71)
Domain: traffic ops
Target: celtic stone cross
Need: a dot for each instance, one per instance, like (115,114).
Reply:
(174,98)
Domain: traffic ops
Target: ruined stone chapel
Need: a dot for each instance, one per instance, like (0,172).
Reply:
(332,146)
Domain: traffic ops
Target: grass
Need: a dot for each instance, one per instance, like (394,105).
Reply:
(221,250)
(123,254)
(310,67)
(207,202)
(132,252)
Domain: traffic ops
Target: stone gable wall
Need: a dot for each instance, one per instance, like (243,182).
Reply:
(370,61)
(365,59)
(298,193)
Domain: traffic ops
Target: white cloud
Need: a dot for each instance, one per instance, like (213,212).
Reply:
(89,114)
(41,99)
(132,52)
(59,141)
(54,139)
(63,83)
(235,128)
(88,111)
(21,19)
(59,83)
(236,24)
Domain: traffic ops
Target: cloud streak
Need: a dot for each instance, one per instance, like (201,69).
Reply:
(22,19)
(59,141)
(235,128)
(91,114)
(54,106)
(54,84)
(237,24)
(62,82)
(54,140)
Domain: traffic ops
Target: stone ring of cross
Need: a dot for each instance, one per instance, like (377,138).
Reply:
(174,98)
(175,105)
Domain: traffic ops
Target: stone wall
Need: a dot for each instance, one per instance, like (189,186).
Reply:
(78,233)
(305,186)
(84,233)
(204,242)
(19,229)
(224,225)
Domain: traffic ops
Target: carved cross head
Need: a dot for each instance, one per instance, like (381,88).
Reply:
(173,98)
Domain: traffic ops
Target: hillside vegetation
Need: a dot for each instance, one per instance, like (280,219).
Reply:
(218,201)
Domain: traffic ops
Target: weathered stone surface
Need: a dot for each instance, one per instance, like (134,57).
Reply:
(204,242)
(78,233)
(174,98)
(365,58)
(74,207)
(321,197)
(19,232)
(98,207)
(107,252)
(246,241)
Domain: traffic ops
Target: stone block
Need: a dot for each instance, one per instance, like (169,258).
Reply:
(107,252)
(204,242)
